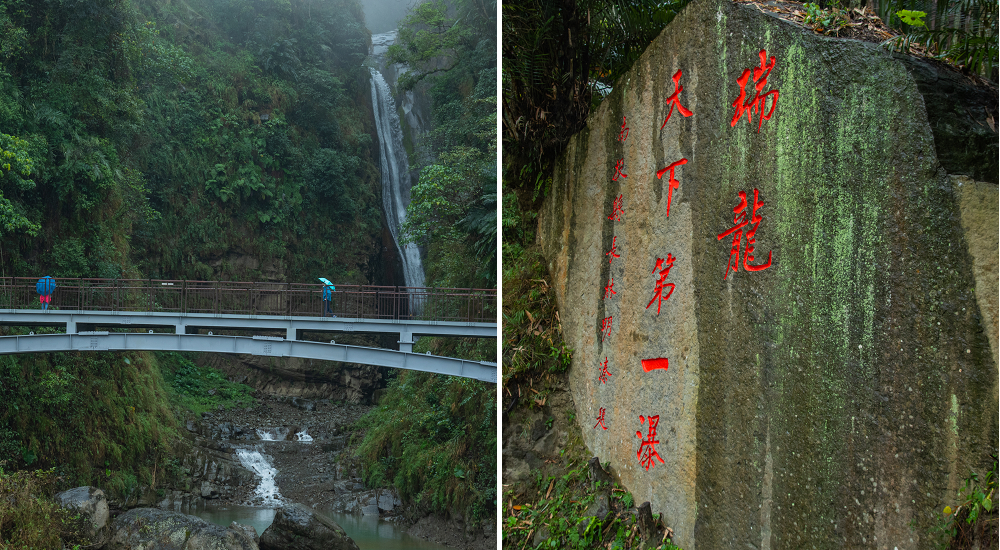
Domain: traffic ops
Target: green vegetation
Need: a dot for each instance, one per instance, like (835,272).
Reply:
(434,440)
(561,511)
(199,389)
(962,32)
(100,419)
(452,208)
(973,523)
(30,518)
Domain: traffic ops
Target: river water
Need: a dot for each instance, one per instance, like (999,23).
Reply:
(367,531)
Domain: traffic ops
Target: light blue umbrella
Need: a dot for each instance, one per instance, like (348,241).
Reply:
(327,282)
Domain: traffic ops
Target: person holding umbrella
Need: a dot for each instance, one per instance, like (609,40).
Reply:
(328,290)
(45,287)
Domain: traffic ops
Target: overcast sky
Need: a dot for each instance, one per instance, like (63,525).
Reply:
(383,15)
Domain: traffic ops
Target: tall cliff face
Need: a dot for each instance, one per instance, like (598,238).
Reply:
(834,386)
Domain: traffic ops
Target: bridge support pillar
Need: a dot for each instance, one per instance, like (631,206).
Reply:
(406,342)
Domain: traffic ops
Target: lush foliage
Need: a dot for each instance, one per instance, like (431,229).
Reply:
(557,56)
(452,202)
(557,507)
(963,32)
(199,389)
(205,139)
(99,418)
(434,440)
(30,518)
(973,521)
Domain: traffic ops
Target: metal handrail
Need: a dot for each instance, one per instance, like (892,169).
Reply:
(255,298)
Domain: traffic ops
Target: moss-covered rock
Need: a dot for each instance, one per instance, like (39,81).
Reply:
(833,399)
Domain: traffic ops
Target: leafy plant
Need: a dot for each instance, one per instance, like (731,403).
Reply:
(964,32)
(826,21)
(975,517)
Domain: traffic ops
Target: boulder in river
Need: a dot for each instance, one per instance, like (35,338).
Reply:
(297,527)
(163,530)
(92,505)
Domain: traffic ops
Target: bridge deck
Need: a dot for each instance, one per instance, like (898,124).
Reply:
(187,307)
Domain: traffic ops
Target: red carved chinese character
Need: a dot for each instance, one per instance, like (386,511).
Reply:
(617,209)
(600,420)
(609,290)
(605,327)
(613,253)
(757,103)
(623,133)
(740,221)
(674,100)
(660,283)
(619,166)
(671,182)
(647,451)
(649,365)
(604,372)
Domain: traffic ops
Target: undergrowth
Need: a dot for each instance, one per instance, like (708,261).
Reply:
(30,517)
(99,418)
(433,438)
(973,523)
(565,512)
(199,389)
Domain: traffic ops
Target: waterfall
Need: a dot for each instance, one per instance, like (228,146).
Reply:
(395,176)
(267,490)
(304,436)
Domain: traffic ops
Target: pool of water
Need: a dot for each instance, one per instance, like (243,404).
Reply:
(367,531)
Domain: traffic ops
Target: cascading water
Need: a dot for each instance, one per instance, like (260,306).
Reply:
(395,176)
(266,493)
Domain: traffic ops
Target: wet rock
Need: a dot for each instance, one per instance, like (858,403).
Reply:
(250,530)
(303,404)
(92,505)
(385,502)
(369,510)
(151,528)
(296,527)
(647,525)
(600,507)
(597,473)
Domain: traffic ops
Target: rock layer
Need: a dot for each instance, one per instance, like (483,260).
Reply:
(837,397)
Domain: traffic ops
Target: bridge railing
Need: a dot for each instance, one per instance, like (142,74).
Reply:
(255,298)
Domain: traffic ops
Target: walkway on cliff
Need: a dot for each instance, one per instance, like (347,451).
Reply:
(174,315)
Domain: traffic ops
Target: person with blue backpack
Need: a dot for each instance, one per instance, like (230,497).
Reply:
(45,287)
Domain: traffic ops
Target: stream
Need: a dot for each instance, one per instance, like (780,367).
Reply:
(368,532)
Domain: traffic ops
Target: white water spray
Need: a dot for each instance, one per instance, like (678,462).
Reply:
(265,435)
(267,490)
(304,437)
(395,176)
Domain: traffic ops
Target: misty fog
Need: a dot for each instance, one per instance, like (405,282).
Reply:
(383,15)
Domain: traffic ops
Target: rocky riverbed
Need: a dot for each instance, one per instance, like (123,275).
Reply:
(307,441)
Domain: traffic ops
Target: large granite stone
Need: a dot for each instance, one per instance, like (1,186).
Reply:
(835,399)
(152,529)
(297,527)
(92,505)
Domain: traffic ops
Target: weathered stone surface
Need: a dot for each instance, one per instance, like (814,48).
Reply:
(833,398)
(297,527)
(92,505)
(302,378)
(152,529)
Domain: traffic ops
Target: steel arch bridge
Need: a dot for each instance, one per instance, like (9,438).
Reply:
(170,315)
